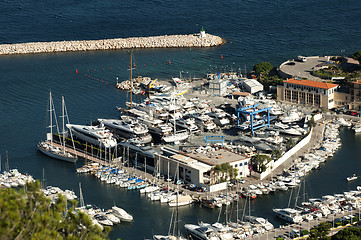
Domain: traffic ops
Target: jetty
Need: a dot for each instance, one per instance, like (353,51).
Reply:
(82,154)
(167,41)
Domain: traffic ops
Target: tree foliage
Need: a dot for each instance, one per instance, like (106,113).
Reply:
(259,162)
(350,233)
(321,231)
(28,214)
(224,172)
(357,55)
(263,68)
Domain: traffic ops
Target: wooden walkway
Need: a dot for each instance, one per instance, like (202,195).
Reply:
(82,154)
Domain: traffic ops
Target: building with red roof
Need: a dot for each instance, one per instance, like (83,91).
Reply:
(307,92)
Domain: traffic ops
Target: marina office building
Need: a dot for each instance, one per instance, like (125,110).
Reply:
(308,92)
(195,165)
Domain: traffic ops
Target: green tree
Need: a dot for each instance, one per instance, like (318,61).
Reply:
(321,231)
(350,233)
(357,55)
(27,214)
(263,68)
(259,162)
(276,153)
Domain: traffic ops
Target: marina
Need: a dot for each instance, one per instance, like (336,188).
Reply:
(87,80)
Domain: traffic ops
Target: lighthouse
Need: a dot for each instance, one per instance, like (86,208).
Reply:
(202,33)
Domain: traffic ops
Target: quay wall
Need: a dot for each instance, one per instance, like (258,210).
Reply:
(293,150)
(166,41)
(273,165)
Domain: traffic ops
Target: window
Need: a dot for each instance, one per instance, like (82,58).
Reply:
(240,164)
(330,100)
(245,163)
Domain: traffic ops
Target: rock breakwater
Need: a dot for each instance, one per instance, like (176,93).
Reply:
(166,41)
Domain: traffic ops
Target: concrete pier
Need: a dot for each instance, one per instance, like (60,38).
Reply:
(166,41)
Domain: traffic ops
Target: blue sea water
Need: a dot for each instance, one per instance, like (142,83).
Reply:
(255,31)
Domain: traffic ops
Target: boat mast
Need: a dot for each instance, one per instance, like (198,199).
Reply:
(131,78)
(67,120)
(51,119)
(82,204)
(63,112)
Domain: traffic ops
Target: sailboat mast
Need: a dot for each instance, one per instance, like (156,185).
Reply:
(131,79)
(51,119)
(63,116)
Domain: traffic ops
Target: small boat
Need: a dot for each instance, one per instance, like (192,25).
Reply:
(122,214)
(351,178)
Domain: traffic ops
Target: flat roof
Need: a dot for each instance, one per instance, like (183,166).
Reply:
(183,158)
(214,157)
(311,83)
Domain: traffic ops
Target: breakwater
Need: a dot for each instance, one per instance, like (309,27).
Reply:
(166,41)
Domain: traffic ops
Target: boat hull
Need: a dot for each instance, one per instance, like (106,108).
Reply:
(56,156)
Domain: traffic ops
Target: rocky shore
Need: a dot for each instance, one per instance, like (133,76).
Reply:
(171,41)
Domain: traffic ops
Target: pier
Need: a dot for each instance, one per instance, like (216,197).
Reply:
(82,154)
(166,41)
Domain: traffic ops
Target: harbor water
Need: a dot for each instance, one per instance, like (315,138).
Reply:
(255,31)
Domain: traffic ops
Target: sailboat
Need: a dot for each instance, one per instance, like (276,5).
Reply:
(176,234)
(176,137)
(48,147)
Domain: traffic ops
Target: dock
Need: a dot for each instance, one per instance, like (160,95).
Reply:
(82,154)
(287,229)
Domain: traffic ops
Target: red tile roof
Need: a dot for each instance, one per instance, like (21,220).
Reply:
(311,83)
(358,81)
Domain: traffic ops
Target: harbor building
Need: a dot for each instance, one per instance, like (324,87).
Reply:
(252,86)
(218,87)
(195,164)
(308,92)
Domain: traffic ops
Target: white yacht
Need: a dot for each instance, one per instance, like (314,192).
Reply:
(202,233)
(156,126)
(128,127)
(103,220)
(288,214)
(258,220)
(176,137)
(204,121)
(96,135)
(292,116)
(122,214)
(188,124)
(220,117)
(357,128)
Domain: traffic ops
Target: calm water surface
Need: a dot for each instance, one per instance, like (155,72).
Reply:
(255,31)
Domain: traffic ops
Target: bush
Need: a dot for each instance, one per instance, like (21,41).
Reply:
(304,232)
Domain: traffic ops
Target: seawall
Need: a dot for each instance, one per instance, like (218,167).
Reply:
(166,41)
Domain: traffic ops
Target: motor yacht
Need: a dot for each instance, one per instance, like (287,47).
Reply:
(128,127)
(203,233)
(188,124)
(288,214)
(220,117)
(96,135)
(157,126)
(122,214)
(351,178)
(204,121)
(258,220)
(292,116)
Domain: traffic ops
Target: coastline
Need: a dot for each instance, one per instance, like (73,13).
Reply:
(165,41)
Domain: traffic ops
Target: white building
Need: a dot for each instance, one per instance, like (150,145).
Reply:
(195,165)
(252,86)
